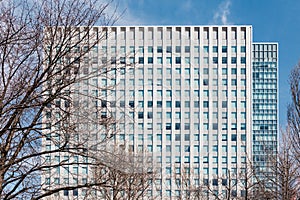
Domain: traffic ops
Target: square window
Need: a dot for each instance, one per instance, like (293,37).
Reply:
(243,70)
(178,138)
(150,60)
(233,49)
(215,182)
(233,70)
(187,49)
(215,49)
(178,60)
(224,49)
(233,60)
(168,104)
(66,192)
(205,49)
(150,104)
(141,60)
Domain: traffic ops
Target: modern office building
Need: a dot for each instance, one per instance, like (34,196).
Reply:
(265,106)
(199,100)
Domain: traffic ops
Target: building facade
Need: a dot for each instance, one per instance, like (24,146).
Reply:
(265,106)
(198,100)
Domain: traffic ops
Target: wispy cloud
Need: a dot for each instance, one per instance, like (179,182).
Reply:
(125,15)
(186,5)
(222,13)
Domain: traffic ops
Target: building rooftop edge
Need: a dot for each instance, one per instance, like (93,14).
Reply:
(267,42)
(177,26)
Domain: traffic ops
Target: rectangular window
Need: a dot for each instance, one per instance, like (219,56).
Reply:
(205,60)
(169,49)
(215,60)
(159,60)
(150,49)
(159,49)
(233,82)
(205,49)
(205,104)
(224,82)
(243,60)
(243,49)
(224,60)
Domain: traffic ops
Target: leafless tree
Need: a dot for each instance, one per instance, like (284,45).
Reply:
(287,169)
(242,183)
(49,124)
(187,188)
(294,110)
(128,175)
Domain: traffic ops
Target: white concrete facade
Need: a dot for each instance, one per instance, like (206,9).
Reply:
(186,103)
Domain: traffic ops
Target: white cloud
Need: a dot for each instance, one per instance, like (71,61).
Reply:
(222,13)
(125,14)
(186,5)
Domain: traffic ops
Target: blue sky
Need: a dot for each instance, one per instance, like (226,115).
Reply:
(272,20)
